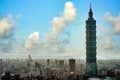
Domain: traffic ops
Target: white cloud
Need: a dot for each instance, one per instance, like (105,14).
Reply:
(114,21)
(6,26)
(52,42)
(33,41)
(68,16)
(108,42)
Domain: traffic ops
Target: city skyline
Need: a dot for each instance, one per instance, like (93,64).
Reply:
(57,28)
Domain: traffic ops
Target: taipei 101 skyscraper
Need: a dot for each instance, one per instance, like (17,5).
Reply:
(91,65)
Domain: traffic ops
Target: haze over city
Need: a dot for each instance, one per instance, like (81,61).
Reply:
(46,29)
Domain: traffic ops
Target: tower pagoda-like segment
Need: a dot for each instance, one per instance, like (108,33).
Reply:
(91,65)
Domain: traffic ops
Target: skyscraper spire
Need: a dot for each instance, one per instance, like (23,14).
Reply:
(90,12)
(90,5)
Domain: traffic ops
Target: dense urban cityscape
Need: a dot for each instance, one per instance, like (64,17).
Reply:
(55,69)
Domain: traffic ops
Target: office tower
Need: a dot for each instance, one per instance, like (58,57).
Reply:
(91,65)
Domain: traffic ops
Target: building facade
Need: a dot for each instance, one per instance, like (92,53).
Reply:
(61,63)
(72,65)
(48,62)
(91,65)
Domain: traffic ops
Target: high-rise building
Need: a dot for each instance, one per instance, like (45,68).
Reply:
(72,65)
(56,62)
(91,65)
(48,62)
(61,63)
(1,66)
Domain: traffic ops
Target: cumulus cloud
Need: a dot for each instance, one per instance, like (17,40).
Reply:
(59,23)
(6,26)
(67,16)
(114,21)
(52,42)
(108,42)
(33,41)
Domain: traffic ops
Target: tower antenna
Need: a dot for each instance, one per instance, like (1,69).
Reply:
(90,5)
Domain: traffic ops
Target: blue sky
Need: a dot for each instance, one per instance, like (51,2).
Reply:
(30,23)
